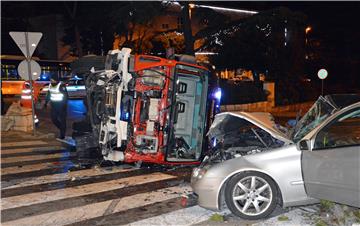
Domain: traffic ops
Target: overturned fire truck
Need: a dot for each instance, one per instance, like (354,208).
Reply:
(144,108)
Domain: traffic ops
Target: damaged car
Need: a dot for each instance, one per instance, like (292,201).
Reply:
(144,108)
(254,166)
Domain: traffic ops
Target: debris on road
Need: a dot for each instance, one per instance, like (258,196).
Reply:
(283,218)
(188,200)
(217,217)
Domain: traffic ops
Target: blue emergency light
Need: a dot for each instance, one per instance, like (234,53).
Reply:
(217,94)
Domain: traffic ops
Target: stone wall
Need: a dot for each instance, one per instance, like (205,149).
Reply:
(265,106)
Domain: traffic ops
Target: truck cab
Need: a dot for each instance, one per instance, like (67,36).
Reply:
(145,108)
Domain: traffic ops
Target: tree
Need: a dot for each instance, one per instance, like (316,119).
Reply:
(207,18)
(271,42)
(87,28)
(188,36)
(72,12)
(132,24)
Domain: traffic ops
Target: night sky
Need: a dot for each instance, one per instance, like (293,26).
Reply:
(334,23)
(326,18)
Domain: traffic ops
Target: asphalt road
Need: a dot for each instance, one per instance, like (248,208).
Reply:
(43,183)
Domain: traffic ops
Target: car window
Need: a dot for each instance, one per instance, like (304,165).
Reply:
(71,82)
(80,82)
(341,132)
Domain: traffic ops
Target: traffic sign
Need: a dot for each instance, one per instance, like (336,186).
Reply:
(23,70)
(27,42)
(322,73)
(20,40)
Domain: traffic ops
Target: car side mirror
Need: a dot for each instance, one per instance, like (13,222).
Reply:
(304,145)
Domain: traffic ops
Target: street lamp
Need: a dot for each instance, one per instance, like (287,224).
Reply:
(307,30)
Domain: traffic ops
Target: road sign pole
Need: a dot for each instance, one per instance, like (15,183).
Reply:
(28,58)
(322,74)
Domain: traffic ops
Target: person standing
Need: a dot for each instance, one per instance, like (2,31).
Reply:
(58,97)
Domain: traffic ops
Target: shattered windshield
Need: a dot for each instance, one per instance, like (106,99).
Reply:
(320,111)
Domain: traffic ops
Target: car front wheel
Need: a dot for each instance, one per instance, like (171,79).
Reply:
(251,195)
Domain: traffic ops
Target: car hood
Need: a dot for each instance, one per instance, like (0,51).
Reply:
(225,122)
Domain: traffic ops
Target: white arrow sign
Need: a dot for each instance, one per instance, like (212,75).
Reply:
(20,39)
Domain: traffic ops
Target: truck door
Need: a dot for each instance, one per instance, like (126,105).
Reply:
(188,115)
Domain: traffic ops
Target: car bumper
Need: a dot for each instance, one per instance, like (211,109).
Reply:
(207,192)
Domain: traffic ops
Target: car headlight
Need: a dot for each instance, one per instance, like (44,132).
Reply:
(198,173)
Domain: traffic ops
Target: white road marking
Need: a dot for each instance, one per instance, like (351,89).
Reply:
(35,167)
(31,149)
(47,196)
(63,176)
(36,157)
(22,143)
(86,212)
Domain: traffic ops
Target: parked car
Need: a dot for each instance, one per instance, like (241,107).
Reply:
(76,88)
(253,166)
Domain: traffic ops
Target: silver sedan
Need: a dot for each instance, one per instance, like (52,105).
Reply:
(254,166)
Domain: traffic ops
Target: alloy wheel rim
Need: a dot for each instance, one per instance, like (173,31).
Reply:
(252,195)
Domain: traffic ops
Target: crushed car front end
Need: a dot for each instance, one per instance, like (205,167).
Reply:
(248,142)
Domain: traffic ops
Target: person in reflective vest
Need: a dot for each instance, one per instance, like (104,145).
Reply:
(58,97)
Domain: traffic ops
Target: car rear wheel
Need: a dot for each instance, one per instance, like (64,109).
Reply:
(251,195)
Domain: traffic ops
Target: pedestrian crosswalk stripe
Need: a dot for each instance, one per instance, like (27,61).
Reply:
(87,212)
(29,168)
(37,152)
(32,162)
(55,177)
(79,201)
(30,149)
(21,143)
(83,173)
(74,182)
(143,212)
(36,157)
(39,189)
(64,166)
(47,196)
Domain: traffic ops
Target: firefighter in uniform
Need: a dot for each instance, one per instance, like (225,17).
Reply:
(58,97)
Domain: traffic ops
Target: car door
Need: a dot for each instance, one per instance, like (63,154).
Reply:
(331,169)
